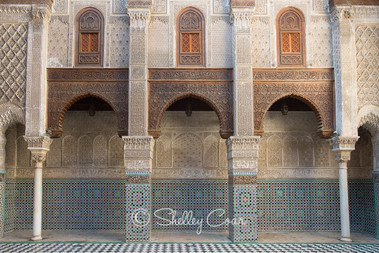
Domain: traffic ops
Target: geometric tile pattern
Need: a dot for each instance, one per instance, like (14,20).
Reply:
(2,203)
(138,212)
(362,206)
(13,45)
(243,209)
(189,247)
(198,198)
(376,202)
(298,206)
(100,205)
(68,205)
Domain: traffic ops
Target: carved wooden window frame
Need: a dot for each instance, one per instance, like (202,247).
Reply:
(185,30)
(95,57)
(289,57)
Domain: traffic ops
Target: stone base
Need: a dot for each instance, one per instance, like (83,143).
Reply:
(36,238)
(346,239)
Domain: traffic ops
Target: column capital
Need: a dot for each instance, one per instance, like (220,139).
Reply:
(38,143)
(342,146)
(38,146)
(138,153)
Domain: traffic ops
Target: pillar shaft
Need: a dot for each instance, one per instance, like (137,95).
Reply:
(344,202)
(37,203)
(38,146)
(342,146)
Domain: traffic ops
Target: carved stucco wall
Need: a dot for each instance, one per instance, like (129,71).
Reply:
(190,147)
(367,54)
(89,148)
(162,32)
(62,26)
(317,25)
(13,60)
(291,149)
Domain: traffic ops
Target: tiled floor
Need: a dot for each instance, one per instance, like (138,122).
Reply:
(176,247)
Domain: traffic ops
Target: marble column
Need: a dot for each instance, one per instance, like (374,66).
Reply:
(242,187)
(3,141)
(375,175)
(343,146)
(38,146)
(138,154)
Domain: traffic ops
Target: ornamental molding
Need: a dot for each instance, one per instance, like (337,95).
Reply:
(138,18)
(138,142)
(10,114)
(192,75)
(242,179)
(241,17)
(306,74)
(41,13)
(340,143)
(7,9)
(87,75)
(364,12)
(38,143)
(137,179)
(236,143)
(370,122)
(139,3)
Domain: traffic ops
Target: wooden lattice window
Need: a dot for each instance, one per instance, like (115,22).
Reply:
(90,27)
(291,37)
(190,25)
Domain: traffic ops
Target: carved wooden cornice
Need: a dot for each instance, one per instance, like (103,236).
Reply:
(311,86)
(288,74)
(66,86)
(213,86)
(190,75)
(87,75)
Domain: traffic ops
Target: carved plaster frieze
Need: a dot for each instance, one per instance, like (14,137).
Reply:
(138,18)
(371,122)
(235,143)
(138,179)
(13,9)
(365,12)
(242,179)
(138,143)
(38,143)
(344,143)
(41,13)
(139,3)
(342,146)
(241,19)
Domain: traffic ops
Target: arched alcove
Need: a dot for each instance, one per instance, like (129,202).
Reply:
(189,171)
